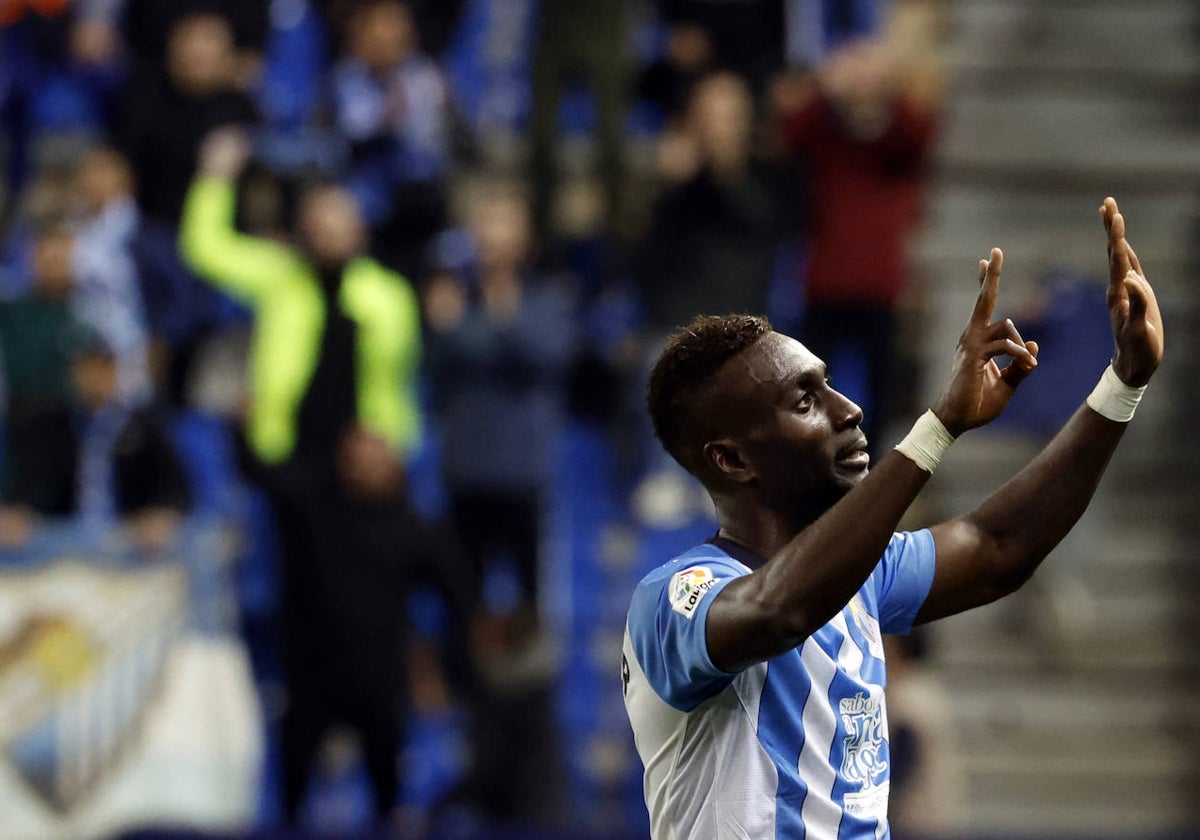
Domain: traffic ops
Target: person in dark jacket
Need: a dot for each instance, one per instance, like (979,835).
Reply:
(716,230)
(166,115)
(501,340)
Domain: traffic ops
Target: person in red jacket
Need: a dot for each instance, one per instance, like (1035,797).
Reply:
(863,143)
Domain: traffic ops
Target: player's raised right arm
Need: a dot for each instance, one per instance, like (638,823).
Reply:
(995,548)
(814,575)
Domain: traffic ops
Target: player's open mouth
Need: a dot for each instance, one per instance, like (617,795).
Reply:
(855,455)
(858,458)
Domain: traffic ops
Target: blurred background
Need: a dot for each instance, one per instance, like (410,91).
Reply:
(324,329)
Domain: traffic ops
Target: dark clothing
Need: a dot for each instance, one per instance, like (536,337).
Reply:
(712,247)
(348,568)
(493,525)
(162,130)
(40,451)
(342,623)
(37,338)
(747,35)
(44,437)
(330,405)
(146,466)
(668,86)
(839,333)
(146,24)
(499,386)
(41,457)
(46,446)
(500,389)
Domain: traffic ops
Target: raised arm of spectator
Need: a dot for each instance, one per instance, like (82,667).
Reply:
(995,548)
(242,266)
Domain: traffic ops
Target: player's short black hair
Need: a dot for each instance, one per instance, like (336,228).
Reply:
(692,356)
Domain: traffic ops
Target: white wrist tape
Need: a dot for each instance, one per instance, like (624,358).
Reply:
(927,442)
(1113,399)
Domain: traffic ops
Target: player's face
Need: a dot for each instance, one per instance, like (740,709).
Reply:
(803,440)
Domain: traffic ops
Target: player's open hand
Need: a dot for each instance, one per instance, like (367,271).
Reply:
(1137,322)
(979,389)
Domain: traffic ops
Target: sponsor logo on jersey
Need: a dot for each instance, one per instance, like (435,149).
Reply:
(688,588)
(864,757)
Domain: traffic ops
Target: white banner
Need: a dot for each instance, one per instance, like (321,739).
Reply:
(123,702)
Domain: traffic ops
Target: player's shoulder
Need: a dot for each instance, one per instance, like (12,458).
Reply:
(685,579)
(705,555)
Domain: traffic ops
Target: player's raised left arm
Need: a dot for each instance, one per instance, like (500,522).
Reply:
(995,548)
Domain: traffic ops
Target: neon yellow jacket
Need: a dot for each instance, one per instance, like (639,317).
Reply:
(285,294)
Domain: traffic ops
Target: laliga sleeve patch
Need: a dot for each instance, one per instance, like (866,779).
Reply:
(688,588)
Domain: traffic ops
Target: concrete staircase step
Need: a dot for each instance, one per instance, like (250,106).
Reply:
(1142,44)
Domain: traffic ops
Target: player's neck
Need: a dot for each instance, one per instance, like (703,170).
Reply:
(759,528)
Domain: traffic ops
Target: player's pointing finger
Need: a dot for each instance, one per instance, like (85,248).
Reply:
(985,305)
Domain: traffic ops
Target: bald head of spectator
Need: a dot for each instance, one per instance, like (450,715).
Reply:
(201,55)
(721,121)
(381,34)
(502,231)
(331,226)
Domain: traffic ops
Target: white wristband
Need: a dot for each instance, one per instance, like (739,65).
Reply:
(1113,399)
(927,442)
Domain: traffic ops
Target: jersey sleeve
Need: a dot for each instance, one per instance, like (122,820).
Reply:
(903,578)
(667,620)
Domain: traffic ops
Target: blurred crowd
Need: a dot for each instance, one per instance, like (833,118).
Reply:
(307,216)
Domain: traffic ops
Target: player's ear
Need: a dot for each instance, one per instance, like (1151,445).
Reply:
(725,458)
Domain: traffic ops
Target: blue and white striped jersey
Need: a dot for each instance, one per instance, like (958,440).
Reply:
(795,747)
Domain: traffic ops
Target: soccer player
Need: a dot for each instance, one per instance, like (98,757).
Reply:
(753,666)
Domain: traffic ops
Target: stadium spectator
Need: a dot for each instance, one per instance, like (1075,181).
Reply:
(502,339)
(715,231)
(712,246)
(863,142)
(37,331)
(390,103)
(127,463)
(332,415)
(165,117)
(147,27)
(107,292)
